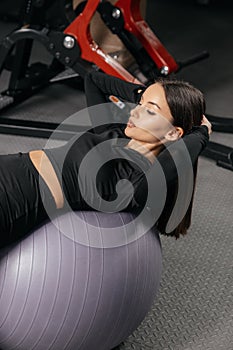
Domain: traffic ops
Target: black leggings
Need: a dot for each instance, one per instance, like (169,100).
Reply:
(21,197)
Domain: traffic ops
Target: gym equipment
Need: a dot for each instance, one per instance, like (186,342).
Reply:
(60,291)
(66,36)
(216,151)
(124,19)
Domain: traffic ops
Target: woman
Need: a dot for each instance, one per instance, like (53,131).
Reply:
(41,183)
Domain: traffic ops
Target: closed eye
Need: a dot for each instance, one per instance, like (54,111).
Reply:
(151,112)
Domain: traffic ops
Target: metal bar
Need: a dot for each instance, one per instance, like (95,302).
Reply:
(221,153)
(19,131)
(42,125)
(21,59)
(38,133)
(221,124)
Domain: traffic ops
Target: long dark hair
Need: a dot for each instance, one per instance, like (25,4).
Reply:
(187,106)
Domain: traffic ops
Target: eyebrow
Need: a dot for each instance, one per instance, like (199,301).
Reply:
(154,104)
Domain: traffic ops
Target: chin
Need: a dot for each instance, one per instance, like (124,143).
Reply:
(132,133)
(128,132)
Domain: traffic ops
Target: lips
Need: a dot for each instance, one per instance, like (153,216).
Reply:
(130,123)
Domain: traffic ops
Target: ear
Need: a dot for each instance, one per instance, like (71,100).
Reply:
(174,134)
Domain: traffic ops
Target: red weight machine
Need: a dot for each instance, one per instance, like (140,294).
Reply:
(125,20)
(66,35)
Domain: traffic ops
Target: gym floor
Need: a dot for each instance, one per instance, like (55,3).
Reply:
(193,309)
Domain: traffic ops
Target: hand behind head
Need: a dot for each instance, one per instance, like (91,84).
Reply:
(206,122)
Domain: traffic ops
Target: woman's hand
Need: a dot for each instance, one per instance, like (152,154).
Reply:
(206,122)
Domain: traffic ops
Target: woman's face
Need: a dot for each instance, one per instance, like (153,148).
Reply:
(151,120)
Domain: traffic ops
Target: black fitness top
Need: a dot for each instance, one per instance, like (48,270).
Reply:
(110,163)
(114,161)
(25,208)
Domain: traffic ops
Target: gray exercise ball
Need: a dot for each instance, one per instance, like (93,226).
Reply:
(59,291)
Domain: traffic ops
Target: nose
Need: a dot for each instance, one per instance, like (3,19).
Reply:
(134,112)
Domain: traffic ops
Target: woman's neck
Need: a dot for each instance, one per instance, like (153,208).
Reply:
(150,151)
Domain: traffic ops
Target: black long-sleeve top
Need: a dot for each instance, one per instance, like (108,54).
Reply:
(88,188)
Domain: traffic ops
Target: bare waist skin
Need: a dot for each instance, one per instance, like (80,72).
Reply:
(43,165)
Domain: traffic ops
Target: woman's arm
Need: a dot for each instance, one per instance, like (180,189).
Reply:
(98,86)
(182,153)
(196,141)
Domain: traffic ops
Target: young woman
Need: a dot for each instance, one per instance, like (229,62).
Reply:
(38,184)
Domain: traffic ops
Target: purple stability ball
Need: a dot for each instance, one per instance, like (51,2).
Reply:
(77,284)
